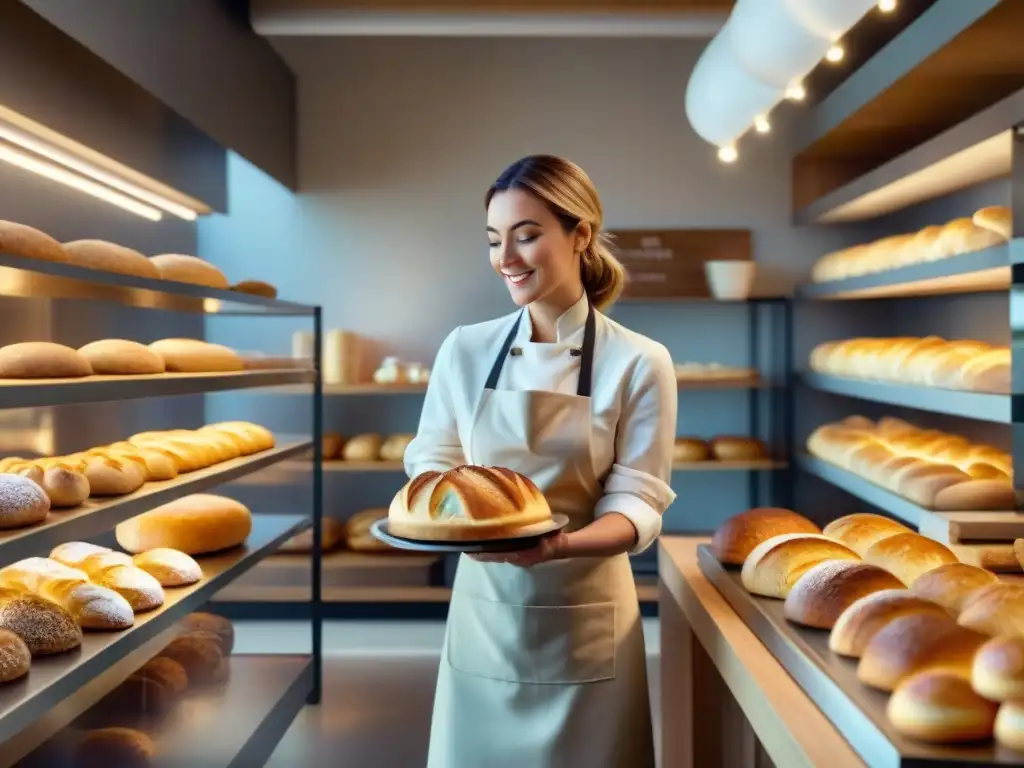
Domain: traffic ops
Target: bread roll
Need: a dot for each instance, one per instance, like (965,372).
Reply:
(466,503)
(42,360)
(393,449)
(331,445)
(199,656)
(212,624)
(357,532)
(44,626)
(362,448)
(92,606)
(195,525)
(108,569)
(189,269)
(736,538)
(690,449)
(193,356)
(860,622)
(939,706)
(829,588)
(21,240)
(775,565)
(908,555)
(109,257)
(22,502)
(64,487)
(116,357)
(331,535)
(1009,728)
(996,218)
(168,566)
(951,585)
(915,643)
(141,698)
(737,449)
(860,531)
(998,669)
(256,288)
(121,747)
(113,477)
(15,658)
(168,672)
(995,610)
(73,553)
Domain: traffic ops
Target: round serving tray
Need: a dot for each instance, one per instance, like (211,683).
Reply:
(527,537)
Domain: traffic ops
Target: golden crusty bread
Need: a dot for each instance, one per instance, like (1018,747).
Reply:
(194,356)
(15,658)
(29,243)
(189,269)
(860,622)
(357,532)
(196,525)
(1009,728)
(995,610)
(729,448)
(121,747)
(915,643)
(113,477)
(951,585)
(821,595)
(859,531)
(213,625)
(466,503)
(908,555)
(118,357)
(734,540)
(775,565)
(42,360)
(332,534)
(331,444)
(997,218)
(688,449)
(365,447)
(116,571)
(109,257)
(940,707)
(256,288)
(998,669)
(169,567)
(393,448)
(249,437)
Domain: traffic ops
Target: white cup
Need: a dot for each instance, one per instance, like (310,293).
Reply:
(730,280)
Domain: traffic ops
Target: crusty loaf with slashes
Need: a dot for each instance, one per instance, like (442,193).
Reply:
(467,503)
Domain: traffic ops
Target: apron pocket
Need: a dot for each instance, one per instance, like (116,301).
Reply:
(532,643)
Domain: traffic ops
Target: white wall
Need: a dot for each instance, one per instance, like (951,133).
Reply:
(398,141)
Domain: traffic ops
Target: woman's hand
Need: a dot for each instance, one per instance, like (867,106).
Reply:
(548,548)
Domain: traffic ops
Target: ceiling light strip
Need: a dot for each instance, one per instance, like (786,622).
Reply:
(13,156)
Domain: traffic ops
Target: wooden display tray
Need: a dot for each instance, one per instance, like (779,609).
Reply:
(856,710)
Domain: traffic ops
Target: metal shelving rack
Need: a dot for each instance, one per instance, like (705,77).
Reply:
(266,692)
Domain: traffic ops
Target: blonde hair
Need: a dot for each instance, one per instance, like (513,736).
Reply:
(571,195)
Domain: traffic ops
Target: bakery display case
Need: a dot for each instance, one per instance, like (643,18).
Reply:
(130,542)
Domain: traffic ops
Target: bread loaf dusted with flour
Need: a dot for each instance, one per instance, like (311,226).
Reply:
(987,228)
(928,362)
(466,503)
(933,469)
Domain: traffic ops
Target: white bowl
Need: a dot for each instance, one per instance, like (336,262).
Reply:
(730,280)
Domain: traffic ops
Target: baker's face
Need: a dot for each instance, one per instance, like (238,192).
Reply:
(529,247)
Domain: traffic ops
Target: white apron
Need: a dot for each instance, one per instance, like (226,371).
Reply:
(543,667)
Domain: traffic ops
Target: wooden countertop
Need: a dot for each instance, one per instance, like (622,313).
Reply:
(791,729)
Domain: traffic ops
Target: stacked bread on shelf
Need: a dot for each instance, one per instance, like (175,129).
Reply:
(115,357)
(927,362)
(945,639)
(29,488)
(988,227)
(125,727)
(721,448)
(365,447)
(353,534)
(930,468)
(30,243)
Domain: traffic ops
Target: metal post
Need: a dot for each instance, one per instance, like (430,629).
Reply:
(1016,304)
(754,396)
(316,606)
(789,380)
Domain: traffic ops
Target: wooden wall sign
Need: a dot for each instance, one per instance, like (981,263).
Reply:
(669,263)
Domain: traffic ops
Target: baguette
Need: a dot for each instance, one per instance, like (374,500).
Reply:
(997,218)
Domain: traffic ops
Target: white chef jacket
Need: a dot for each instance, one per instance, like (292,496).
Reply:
(634,401)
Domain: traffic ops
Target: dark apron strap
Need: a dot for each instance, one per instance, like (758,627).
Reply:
(586,354)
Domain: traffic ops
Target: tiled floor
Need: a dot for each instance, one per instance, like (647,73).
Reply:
(378,691)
